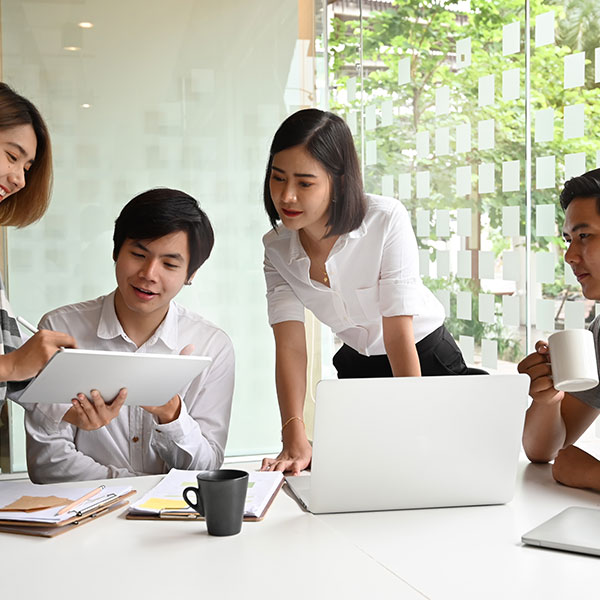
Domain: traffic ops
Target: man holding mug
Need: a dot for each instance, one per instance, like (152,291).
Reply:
(556,419)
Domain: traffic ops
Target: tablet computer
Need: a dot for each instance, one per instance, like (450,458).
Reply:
(150,379)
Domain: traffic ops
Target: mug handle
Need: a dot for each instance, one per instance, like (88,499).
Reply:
(198,506)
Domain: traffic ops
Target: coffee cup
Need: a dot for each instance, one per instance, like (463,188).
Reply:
(220,498)
(573,360)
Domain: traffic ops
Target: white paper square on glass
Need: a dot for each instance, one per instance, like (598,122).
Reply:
(422,144)
(486,178)
(597,159)
(574,314)
(352,122)
(486,264)
(510,311)
(486,308)
(570,278)
(463,266)
(387,113)
(463,180)
(574,165)
(466,343)
(545,172)
(464,224)
(442,223)
(371,152)
(485,134)
(442,141)
(511,176)
(486,90)
(424,262)
(443,263)
(423,217)
(387,185)
(442,100)
(370,117)
(545,220)
(404,71)
(423,181)
(544,317)
(511,84)
(544,125)
(544,29)
(464,306)
(511,266)
(574,121)
(463,138)
(574,70)
(404,186)
(351,89)
(545,263)
(444,297)
(463,53)
(511,38)
(489,354)
(511,221)
(597,65)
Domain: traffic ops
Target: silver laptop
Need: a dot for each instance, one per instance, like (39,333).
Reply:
(575,529)
(414,442)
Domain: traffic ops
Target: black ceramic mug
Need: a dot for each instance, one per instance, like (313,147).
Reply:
(220,498)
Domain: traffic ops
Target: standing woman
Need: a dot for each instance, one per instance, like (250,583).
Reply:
(25,183)
(351,259)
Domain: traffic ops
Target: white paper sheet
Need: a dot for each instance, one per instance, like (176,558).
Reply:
(545,263)
(442,141)
(423,217)
(486,308)
(597,65)
(570,278)
(574,70)
(370,117)
(486,90)
(387,113)
(574,121)
(463,138)
(424,262)
(510,311)
(511,84)
(511,266)
(545,220)
(463,180)
(463,53)
(464,305)
(404,70)
(444,297)
(511,221)
(422,144)
(597,159)
(404,186)
(351,89)
(423,181)
(511,38)
(574,314)
(511,176)
(544,29)
(466,343)
(487,184)
(544,317)
(463,267)
(545,172)
(371,152)
(485,134)
(575,165)
(489,354)
(464,224)
(387,185)
(486,264)
(443,263)
(544,125)
(442,100)
(351,119)
(442,222)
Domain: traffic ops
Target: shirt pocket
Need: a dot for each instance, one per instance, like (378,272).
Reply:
(368,300)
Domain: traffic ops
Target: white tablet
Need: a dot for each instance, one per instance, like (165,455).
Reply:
(150,379)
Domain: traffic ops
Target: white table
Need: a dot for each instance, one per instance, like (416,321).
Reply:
(457,553)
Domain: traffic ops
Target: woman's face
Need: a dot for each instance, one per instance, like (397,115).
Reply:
(301,190)
(17,152)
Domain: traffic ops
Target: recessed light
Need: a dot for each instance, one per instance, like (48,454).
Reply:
(86,105)
(85,25)
(71,48)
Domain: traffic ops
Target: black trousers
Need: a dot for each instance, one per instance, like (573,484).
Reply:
(438,355)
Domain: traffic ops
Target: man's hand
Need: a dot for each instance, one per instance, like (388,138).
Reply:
(93,413)
(576,468)
(537,367)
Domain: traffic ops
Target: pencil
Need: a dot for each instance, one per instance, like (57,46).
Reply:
(27,325)
(77,502)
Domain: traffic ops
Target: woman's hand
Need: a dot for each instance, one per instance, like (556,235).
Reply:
(295,456)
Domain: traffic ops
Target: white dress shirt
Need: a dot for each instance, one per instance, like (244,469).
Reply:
(134,443)
(373,273)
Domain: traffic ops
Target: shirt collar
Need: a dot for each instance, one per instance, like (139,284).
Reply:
(110,327)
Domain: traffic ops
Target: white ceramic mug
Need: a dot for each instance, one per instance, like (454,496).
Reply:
(573,360)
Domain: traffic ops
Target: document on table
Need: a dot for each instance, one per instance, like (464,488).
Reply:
(165,500)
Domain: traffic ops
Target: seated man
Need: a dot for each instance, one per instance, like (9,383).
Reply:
(160,240)
(555,420)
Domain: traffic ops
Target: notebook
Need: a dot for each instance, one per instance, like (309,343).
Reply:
(575,529)
(414,442)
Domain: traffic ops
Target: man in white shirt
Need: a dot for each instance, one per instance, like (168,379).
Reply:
(161,238)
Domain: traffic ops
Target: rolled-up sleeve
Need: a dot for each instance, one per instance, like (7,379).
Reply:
(282,302)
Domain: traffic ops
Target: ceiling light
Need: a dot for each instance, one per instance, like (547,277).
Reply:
(85,25)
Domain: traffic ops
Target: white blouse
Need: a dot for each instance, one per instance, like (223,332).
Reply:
(373,272)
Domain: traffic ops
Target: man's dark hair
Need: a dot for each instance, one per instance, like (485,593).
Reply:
(159,212)
(327,139)
(584,186)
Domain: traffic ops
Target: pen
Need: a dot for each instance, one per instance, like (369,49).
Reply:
(27,325)
(77,502)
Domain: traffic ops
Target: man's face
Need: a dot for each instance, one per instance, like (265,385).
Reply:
(150,274)
(582,234)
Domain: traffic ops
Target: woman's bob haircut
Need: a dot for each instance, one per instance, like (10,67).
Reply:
(327,139)
(30,203)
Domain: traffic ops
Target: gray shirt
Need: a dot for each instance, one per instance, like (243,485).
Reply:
(592,397)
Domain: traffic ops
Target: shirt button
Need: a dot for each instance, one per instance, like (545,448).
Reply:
(135,439)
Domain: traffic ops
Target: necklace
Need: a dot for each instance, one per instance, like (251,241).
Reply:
(325,277)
